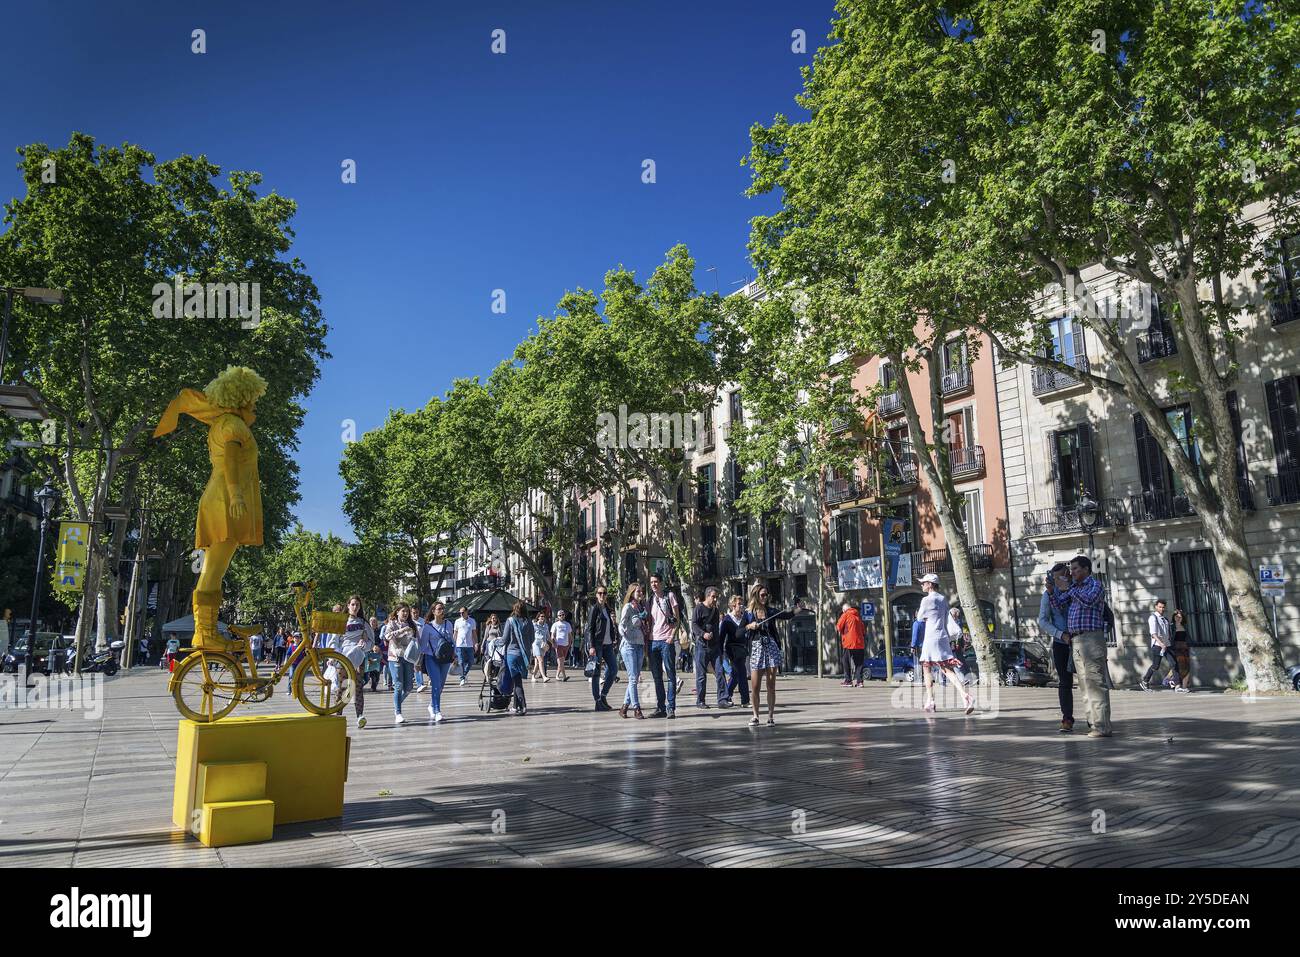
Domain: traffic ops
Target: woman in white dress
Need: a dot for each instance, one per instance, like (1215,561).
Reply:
(936,649)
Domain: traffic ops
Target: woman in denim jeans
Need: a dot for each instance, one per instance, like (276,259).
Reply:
(434,634)
(401,632)
(632,648)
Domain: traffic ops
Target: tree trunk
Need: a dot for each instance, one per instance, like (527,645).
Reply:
(1212,488)
(943,494)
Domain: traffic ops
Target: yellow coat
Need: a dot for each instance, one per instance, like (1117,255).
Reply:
(238,469)
(215,524)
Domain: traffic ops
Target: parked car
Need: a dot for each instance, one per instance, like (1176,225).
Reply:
(46,641)
(1294,672)
(1023,663)
(874,668)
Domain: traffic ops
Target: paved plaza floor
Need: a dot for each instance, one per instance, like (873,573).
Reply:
(847,778)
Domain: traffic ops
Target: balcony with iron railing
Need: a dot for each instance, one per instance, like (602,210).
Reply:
(891,403)
(1065,520)
(966,462)
(1155,344)
(1046,381)
(958,380)
(1157,506)
(935,561)
(24,503)
(708,563)
(840,423)
(899,471)
(1283,309)
(1284,487)
(840,489)
(483,582)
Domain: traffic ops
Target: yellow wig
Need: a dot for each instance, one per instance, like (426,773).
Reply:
(239,387)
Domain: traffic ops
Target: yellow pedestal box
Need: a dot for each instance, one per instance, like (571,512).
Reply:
(236,777)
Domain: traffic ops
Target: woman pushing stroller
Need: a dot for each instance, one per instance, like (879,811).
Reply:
(511,658)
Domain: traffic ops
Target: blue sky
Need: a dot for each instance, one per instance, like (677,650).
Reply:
(475,171)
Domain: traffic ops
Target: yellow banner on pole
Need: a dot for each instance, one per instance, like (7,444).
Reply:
(70,564)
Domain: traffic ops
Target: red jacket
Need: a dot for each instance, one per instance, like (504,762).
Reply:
(852,632)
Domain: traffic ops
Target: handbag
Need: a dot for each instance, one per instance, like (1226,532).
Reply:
(411,652)
(592,667)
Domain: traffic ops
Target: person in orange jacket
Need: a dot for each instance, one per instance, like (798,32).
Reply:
(853,634)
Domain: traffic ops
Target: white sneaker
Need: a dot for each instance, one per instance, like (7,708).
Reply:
(437,717)
(462,682)
(545,679)
(397,718)
(361,721)
(432,712)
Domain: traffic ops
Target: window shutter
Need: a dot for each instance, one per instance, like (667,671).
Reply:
(1054,457)
(1080,348)
(1282,303)
(1239,453)
(1150,466)
(1284,418)
(1087,464)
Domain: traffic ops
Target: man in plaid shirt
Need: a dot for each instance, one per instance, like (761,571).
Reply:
(1083,601)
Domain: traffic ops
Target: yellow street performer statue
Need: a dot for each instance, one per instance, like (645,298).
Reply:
(230,511)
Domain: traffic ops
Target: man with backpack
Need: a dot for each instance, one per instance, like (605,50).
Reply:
(664,613)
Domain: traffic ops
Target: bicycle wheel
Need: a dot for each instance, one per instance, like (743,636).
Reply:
(206,686)
(319,691)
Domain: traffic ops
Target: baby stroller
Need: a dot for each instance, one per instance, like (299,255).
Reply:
(490,696)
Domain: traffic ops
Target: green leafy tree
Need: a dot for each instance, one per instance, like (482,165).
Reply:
(400,485)
(1191,129)
(107,227)
(637,350)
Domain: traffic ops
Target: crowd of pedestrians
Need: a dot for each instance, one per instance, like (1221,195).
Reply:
(740,644)
(412,654)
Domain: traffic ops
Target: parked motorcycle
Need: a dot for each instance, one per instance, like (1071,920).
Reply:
(105,661)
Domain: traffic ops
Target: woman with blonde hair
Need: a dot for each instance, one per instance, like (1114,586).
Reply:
(764,650)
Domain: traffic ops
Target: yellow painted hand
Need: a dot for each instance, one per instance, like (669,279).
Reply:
(237,507)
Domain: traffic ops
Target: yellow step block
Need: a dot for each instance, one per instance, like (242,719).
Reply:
(305,757)
(225,823)
(221,781)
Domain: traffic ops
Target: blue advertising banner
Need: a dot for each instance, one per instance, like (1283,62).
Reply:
(895,528)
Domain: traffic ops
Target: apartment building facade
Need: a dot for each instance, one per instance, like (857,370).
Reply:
(1063,440)
(887,483)
(17,495)
(622,537)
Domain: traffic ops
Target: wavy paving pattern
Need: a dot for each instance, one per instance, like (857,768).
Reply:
(846,779)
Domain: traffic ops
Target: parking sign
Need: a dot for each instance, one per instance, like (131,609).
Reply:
(1272,579)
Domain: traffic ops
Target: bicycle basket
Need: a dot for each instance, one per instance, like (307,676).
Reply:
(329,622)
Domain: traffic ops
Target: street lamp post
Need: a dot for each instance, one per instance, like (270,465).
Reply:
(1089,517)
(48,496)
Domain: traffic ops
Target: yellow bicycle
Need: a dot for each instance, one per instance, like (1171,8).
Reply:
(208,685)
